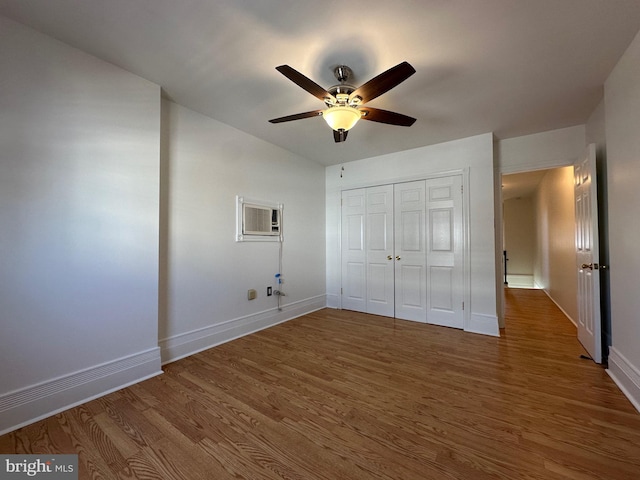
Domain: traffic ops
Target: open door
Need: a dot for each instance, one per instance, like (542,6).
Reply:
(587,257)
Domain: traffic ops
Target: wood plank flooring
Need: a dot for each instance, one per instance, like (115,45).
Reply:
(343,395)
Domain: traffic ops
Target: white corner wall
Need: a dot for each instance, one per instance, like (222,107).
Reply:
(475,155)
(79,182)
(205,274)
(622,118)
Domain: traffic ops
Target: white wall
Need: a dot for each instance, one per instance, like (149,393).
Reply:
(474,154)
(595,129)
(519,235)
(555,148)
(555,269)
(622,115)
(79,180)
(206,274)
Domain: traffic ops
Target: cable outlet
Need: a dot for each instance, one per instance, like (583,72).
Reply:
(269,291)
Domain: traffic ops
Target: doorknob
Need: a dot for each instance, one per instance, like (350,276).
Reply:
(389,257)
(595,266)
(397,257)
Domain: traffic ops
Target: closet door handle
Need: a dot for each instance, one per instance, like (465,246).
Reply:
(389,257)
(398,257)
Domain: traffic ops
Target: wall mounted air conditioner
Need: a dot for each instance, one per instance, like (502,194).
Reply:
(258,221)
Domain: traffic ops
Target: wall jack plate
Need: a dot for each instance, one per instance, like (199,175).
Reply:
(269,291)
(252,294)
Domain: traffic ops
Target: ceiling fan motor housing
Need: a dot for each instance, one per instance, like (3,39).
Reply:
(342,73)
(341,93)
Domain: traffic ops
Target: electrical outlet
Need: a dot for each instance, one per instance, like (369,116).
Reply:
(269,291)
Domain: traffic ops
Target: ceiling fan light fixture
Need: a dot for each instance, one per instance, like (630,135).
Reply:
(341,117)
(346,103)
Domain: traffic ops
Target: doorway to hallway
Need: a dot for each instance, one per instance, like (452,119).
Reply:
(539,234)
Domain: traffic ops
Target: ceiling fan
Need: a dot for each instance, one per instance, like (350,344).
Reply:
(345,103)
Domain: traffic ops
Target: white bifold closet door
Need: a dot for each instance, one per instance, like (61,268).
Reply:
(402,250)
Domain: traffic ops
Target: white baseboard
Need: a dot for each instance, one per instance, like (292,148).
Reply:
(625,375)
(185,344)
(333,301)
(483,324)
(560,307)
(36,402)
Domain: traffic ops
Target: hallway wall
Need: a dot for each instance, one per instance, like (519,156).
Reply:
(555,266)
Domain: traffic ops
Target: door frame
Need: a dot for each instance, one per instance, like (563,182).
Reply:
(499,219)
(499,172)
(464,172)
(499,213)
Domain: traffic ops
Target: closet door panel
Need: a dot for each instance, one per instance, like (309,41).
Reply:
(445,288)
(409,254)
(379,250)
(354,284)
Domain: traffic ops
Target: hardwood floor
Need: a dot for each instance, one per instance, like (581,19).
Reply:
(343,395)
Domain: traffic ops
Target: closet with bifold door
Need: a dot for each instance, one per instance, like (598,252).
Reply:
(402,250)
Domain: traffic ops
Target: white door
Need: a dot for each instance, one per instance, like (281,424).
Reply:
(409,255)
(444,244)
(379,250)
(587,257)
(354,285)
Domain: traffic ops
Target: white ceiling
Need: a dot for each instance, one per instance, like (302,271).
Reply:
(521,185)
(511,67)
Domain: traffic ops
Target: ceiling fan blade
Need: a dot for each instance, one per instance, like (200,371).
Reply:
(385,116)
(340,135)
(297,116)
(307,84)
(384,82)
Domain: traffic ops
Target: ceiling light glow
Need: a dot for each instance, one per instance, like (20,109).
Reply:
(341,117)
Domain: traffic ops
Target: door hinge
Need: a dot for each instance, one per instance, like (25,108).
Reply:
(462,189)
(340,290)
(462,305)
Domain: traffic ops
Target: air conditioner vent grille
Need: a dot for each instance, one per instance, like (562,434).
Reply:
(258,221)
